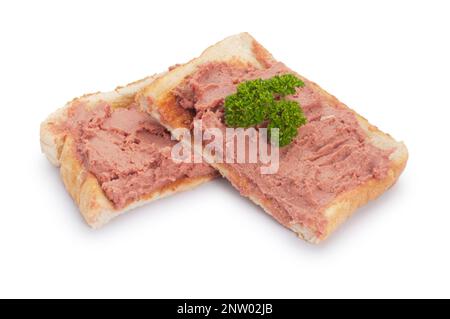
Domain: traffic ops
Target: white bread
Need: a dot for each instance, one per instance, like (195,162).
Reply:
(158,100)
(84,188)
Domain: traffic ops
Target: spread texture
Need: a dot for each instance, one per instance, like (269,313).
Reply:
(127,151)
(330,155)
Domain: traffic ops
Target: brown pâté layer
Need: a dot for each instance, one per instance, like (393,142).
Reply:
(337,162)
(113,157)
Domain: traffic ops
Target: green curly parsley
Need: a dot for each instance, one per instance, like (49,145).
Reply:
(249,105)
(257,101)
(284,84)
(287,116)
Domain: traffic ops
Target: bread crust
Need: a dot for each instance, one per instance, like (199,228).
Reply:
(84,188)
(158,100)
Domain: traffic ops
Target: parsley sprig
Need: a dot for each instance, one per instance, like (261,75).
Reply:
(257,101)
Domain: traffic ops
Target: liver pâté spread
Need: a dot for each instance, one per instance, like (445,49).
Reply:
(127,151)
(330,155)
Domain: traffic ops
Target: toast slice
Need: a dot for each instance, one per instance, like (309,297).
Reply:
(161,99)
(60,144)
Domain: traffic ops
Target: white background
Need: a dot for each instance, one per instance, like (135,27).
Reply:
(389,60)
